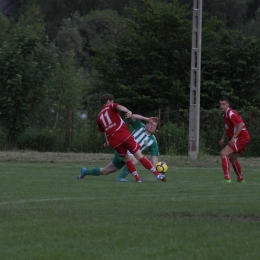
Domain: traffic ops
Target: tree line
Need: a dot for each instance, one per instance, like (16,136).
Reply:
(57,57)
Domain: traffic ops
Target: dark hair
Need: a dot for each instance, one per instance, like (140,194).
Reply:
(224,99)
(105,98)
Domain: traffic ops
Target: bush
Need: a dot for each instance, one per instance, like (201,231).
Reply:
(173,139)
(87,139)
(44,140)
(3,140)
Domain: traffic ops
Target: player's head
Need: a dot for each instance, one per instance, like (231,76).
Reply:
(223,104)
(224,98)
(151,125)
(106,97)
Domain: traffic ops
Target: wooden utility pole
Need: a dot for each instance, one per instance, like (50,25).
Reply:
(194,113)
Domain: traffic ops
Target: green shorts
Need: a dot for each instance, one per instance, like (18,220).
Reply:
(118,161)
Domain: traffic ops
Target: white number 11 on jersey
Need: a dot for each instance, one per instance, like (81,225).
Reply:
(105,119)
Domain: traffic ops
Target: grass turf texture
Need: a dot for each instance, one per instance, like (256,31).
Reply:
(46,213)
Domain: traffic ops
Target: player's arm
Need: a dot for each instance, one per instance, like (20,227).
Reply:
(239,124)
(106,143)
(237,132)
(222,140)
(139,117)
(125,110)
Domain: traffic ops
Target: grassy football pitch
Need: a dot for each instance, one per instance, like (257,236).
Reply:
(46,213)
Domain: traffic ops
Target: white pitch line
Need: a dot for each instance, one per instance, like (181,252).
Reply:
(37,200)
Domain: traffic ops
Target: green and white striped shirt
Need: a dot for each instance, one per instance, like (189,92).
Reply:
(146,141)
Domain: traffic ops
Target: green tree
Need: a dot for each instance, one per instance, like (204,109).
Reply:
(252,19)
(66,88)
(69,39)
(81,34)
(231,12)
(4,25)
(230,66)
(25,62)
(148,66)
(55,11)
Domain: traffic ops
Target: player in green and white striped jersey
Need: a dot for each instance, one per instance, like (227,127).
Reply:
(144,136)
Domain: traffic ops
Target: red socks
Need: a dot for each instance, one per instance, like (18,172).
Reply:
(236,167)
(238,171)
(145,162)
(225,167)
(148,165)
(131,168)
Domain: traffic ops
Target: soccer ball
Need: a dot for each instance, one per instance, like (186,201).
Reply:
(161,167)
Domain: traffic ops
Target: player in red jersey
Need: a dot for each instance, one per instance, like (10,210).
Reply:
(239,139)
(117,135)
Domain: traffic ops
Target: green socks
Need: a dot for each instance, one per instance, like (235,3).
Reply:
(94,171)
(123,173)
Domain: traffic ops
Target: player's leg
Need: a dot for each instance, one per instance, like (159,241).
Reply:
(122,151)
(131,167)
(119,164)
(134,148)
(124,172)
(148,165)
(241,144)
(236,166)
(96,171)
(225,162)
(109,168)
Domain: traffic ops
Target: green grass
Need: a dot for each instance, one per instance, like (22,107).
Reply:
(46,213)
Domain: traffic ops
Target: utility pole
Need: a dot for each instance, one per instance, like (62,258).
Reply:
(194,113)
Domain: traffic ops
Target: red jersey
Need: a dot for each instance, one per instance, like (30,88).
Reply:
(110,122)
(232,119)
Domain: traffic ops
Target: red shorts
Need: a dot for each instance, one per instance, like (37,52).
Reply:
(239,146)
(128,145)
